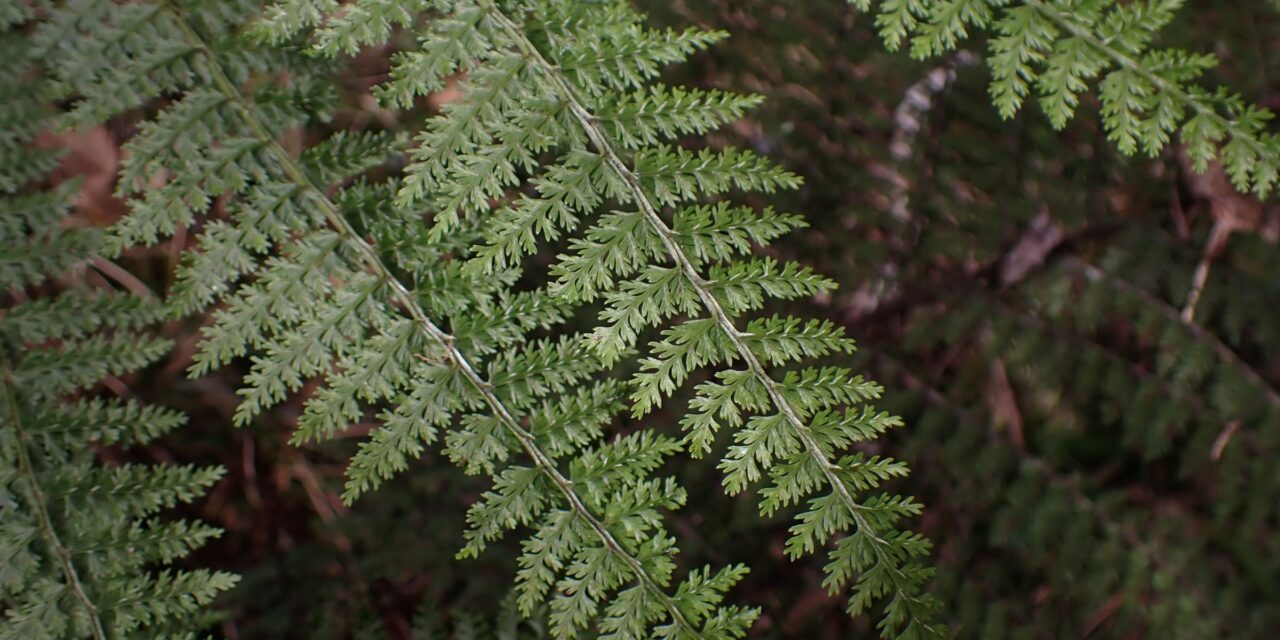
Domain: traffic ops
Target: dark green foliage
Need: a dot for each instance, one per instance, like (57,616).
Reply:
(1073,430)
(83,551)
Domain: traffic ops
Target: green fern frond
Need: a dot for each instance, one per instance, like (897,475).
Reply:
(1058,49)
(322,286)
(80,542)
(553,75)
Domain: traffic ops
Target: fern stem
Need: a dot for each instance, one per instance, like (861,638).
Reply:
(1124,60)
(401,295)
(41,509)
(598,138)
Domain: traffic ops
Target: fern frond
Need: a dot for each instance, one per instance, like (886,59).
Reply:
(80,541)
(878,559)
(345,303)
(1057,49)
(648,270)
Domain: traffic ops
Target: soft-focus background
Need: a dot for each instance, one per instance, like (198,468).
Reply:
(1098,458)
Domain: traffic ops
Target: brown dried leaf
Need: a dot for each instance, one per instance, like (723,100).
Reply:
(93,156)
(1232,211)
(1003,404)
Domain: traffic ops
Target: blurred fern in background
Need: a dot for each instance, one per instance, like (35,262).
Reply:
(82,545)
(1092,436)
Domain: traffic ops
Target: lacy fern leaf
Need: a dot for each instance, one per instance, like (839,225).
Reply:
(321,285)
(1057,49)
(323,274)
(576,79)
(80,541)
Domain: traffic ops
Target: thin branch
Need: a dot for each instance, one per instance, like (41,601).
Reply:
(123,278)
(1217,240)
